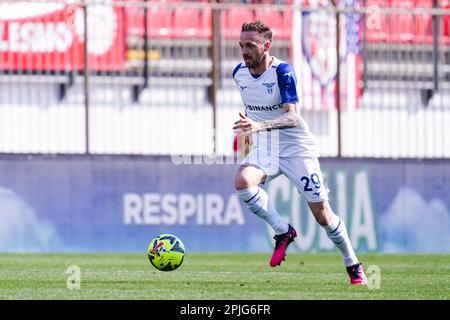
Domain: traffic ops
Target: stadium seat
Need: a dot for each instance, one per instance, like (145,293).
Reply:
(423,32)
(424,23)
(205,31)
(377,27)
(273,19)
(445,37)
(232,21)
(402,25)
(160,22)
(134,21)
(286,29)
(186,23)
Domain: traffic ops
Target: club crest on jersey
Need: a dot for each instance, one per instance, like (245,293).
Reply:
(269,86)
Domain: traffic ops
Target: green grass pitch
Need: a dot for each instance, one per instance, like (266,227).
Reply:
(233,276)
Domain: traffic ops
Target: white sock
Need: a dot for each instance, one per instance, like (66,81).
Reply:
(257,200)
(337,232)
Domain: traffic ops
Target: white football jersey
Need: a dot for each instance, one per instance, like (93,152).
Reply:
(263,98)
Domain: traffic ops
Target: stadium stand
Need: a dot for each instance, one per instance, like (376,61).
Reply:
(397,61)
(398,47)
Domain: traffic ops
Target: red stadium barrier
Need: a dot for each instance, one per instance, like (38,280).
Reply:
(51,37)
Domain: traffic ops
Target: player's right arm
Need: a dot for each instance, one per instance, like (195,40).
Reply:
(287,82)
(290,119)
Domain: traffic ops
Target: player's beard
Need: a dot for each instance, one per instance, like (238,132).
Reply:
(254,62)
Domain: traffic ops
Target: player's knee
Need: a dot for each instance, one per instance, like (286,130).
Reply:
(240,182)
(245,178)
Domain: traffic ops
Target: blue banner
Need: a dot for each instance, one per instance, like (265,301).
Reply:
(118,204)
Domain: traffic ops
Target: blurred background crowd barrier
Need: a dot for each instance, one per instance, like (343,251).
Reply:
(154,78)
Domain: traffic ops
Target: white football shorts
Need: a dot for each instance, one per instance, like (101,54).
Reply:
(303,172)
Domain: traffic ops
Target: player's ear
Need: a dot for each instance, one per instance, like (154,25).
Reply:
(267,45)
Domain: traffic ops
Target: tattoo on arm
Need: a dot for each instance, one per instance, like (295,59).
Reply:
(288,120)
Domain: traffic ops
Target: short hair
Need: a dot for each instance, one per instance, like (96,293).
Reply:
(259,27)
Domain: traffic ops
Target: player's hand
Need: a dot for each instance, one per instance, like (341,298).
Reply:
(245,125)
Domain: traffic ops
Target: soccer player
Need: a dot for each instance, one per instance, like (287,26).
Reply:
(282,144)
